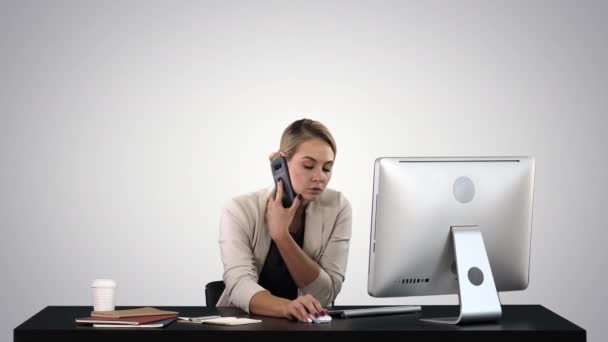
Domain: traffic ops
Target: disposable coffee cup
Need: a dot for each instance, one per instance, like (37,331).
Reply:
(103,294)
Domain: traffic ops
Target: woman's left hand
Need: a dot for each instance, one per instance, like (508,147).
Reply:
(279,218)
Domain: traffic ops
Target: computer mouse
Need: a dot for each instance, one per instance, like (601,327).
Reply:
(321,319)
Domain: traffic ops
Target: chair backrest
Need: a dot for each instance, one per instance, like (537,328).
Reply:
(213,291)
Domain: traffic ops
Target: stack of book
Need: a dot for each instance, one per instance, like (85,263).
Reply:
(133,318)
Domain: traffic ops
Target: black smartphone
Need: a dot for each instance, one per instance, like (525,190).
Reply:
(281,171)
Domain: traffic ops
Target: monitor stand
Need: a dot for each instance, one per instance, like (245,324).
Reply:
(477,293)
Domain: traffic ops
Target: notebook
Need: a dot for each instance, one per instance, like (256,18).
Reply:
(124,321)
(158,324)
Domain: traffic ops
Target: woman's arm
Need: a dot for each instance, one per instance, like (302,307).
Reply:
(302,268)
(333,258)
(240,272)
(265,304)
(322,280)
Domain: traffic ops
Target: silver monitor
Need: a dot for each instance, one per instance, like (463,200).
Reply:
(452,226)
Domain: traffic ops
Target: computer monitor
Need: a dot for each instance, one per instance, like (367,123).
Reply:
(452,226)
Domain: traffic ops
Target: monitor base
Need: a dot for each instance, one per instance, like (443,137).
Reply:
(479,301)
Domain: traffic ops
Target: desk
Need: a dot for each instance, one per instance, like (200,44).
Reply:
(519,323)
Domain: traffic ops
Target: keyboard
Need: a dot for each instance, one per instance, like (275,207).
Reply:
(377,311)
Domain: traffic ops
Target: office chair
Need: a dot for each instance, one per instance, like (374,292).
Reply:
(213,291)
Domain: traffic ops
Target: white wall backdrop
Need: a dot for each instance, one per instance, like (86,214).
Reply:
(125,125)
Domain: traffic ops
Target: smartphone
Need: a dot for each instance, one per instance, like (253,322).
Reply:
(281,171)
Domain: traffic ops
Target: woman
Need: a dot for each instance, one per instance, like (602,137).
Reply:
(288,262)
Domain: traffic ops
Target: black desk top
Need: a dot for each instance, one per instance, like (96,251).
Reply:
(521,322)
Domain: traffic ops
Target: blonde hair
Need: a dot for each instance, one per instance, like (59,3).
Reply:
(300,131)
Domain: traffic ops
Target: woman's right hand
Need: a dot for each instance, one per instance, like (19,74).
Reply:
(303,307)
(278,218)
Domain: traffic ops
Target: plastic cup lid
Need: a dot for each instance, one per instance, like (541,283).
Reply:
(103,283)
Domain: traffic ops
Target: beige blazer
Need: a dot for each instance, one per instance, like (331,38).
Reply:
(245,241)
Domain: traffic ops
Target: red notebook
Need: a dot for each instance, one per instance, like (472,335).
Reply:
(126,320)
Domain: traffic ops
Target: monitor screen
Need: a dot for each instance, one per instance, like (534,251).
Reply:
(416,204)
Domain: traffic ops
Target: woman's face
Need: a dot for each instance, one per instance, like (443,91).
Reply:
(310,168)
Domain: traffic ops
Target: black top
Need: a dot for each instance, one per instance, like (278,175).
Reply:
(519,323)
(275,276)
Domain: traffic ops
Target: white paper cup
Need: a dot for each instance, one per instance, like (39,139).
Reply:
(103,294)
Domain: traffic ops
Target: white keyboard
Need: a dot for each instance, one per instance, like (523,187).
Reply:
(378,311)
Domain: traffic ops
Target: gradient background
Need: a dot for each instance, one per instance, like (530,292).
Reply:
(125,125)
